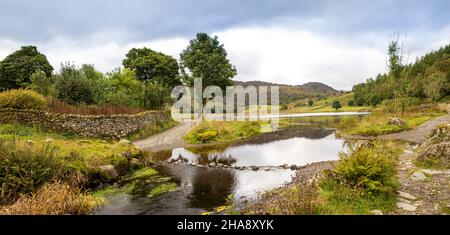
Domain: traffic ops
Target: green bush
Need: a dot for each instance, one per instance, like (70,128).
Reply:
(23,170)
(367,167)
(206,136)
(22,99)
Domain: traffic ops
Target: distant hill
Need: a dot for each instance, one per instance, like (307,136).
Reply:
(289,93)
(317,87)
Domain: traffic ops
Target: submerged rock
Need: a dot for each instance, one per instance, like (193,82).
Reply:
(254,168)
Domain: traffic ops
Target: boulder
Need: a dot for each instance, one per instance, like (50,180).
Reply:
(254,168)
(212,164)
(396,121)
(108,173)
(285,166)
(293,167)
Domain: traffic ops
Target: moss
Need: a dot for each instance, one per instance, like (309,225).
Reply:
(143,173)
(163,188)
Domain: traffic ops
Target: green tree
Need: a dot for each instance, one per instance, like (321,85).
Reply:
(206,58)
(42,84)
(351,103)
(156,95)
(336,104)
(150,65)
(310,102)
(122,88)
(435,88)
(395,66)
(72,87)
(17,68)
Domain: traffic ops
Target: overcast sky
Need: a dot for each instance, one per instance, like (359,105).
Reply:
(338,43)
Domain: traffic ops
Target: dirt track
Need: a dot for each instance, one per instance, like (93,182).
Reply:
(420,133)
(172,138)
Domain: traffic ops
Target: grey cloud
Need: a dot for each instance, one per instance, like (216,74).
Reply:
(34,21)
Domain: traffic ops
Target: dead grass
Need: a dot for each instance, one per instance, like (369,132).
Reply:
(55,198)
(57,106)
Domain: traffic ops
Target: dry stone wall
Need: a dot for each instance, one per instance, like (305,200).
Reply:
(104,126)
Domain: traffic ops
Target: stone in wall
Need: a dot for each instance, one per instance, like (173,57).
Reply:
(105,126)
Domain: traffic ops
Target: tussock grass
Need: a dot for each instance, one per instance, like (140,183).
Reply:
(54,198)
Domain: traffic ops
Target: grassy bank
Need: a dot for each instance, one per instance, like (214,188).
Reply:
(377,123)
(363,180)
(222,131)
(44,172)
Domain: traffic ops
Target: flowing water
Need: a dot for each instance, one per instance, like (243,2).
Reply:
(202,188)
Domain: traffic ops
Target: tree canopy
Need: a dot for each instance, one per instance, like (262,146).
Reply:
(16,69)
(206,58)
(155,66)
(427,78)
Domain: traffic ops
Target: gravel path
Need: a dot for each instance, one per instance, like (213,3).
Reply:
(172,138)
(417,135)
(420,133)
(421,191)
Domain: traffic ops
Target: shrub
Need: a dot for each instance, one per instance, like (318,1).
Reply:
(73,87)
(367,167)
(22,99)
(55,198)
(57,106)
(206,136)
(23,170)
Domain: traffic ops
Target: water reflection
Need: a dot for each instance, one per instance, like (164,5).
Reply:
(203,188)
(304,147)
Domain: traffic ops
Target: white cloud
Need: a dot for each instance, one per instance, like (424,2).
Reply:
(273,54)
